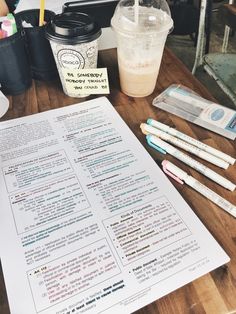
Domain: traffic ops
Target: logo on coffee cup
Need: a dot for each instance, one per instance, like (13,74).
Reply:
(91,52)
(69,58)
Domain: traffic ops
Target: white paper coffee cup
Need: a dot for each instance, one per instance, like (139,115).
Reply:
(74,41)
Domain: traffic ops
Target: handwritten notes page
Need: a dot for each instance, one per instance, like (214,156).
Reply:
(89,223)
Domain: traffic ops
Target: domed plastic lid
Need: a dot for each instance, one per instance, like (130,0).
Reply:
(142,16)
(72,28)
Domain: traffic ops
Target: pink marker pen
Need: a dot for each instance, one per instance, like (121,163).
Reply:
(7,27)
(3,34)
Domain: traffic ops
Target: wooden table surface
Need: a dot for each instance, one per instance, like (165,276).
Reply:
(214,293)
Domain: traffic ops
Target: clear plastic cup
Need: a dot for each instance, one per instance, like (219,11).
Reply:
(141,29)
(74,41)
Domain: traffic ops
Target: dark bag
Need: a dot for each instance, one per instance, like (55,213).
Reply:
(15,75)
(43,66)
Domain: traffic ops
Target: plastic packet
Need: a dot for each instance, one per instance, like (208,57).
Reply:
(184,103)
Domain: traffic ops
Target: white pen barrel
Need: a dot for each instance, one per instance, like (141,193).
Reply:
(214,176)
(177,173)
(186,146)
(211,195)
(211,150)
(181,174)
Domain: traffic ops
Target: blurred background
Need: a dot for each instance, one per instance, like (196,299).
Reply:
(184,47)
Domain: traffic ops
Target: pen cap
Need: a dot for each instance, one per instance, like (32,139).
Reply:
(42,63)
(174,174)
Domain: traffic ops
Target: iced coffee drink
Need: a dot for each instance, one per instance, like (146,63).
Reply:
(141,30)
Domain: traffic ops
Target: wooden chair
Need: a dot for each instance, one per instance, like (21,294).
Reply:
(228,15)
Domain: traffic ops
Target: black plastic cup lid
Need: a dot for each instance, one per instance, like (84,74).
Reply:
(72,28)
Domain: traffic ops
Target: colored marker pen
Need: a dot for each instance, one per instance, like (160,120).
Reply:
(11,18)
(3,34)
(148,129)
(7,27)
(191,140)
(181,176)
(164,148)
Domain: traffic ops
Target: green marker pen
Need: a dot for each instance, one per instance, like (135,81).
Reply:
(11,18)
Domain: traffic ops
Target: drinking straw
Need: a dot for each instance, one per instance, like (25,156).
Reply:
(41,12)
(136,11)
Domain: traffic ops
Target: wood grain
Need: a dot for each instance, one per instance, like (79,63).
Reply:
(214,293)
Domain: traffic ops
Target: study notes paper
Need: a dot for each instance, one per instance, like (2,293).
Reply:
(89,223)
